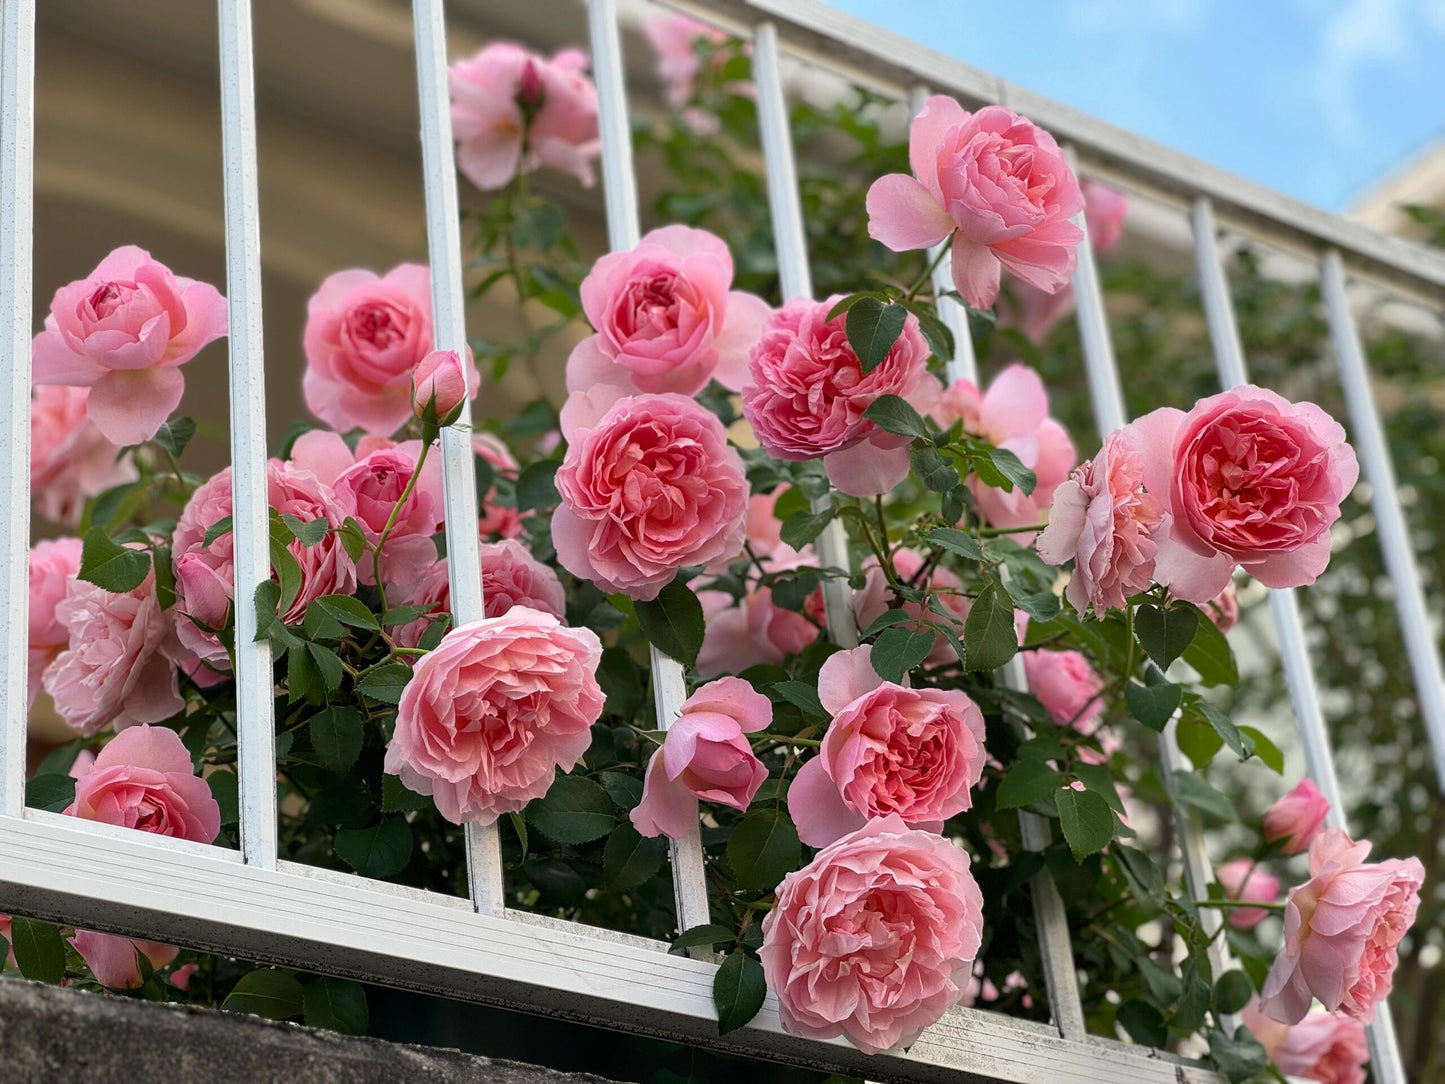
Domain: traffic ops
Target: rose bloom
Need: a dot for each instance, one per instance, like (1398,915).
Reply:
(124,331)
(364,336)
(511,576)
(1223,608)
(439,384)
(1068,687)
(491,714)
(53,566)
(497,521)
(143,779)
(1012,414)
(1324,1046)
(876,597)
(1246,478)
(806,394)
(514,110)
(1104,521)
(70,461)
(874,939)
(1341,931)
(705,756)
(652,487)
(666,318)
(748,632)
(997,184)
(916,753)
(1297,818)
(112,960)
(368,491)
(1241,882)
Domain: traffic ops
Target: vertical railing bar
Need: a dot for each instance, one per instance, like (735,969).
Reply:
(485,877)
(619,189)
(255,682)
(1289,626)
(1394,530)
(790,242)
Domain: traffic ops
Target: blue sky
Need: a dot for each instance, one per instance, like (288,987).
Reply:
(1318,98)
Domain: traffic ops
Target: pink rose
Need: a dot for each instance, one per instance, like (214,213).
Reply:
(514,110)
(875,598)
(494,711)
(368,491)
(916,753)
(706,757)
(497,520)
(113,960)
(1243,880)
(1104,522)
(1105,209)
(1223,608)
(143,779)
(9,960)
(652,487)
(511,576)
(181,977)
(1246,478)
(439,385)
(70,461)
(997,184)
(1068,687)
(666,318)
(838,966)
(1324,1046)
(123,332)
(675,38)
(1297,817)
(54,565)
(1012,414)
(748,632)
(806,394)
(1341,931)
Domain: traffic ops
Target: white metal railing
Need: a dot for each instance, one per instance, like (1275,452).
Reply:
(250,904)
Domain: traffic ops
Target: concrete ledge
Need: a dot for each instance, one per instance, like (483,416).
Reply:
(48,1034)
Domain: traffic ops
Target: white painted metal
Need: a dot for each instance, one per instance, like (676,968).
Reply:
(485,879)
(17,163)
(1368,435)
(255,683)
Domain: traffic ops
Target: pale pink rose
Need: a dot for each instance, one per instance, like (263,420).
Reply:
(916,753)
(874,938)
(652,487)
(764,528)
(1342,929)
(497,521)
(1243,880)
(143,779)
(511,576)
(1104,522)
(114,960)
(53,566)
(806,393)
(748,632)
(494,711)
(674,37)
(124,331)
(1068,687)
(997,184)
(706,757)
(1223,608)
(439,384)
(1105,209)
(1246,478)
(368,491)
(666,318)
(514,110)
(70,461)
(876,597)
(1297,818)
(1012,414)
(1324,1046)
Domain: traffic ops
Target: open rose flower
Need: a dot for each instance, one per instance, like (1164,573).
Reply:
(994,182)
(511,576)
(666,318)
(124,331)
(648,488)
(1245,478)
(806,394)
(70,461)
(1104,522)
(749,631)
(53,566)
(113,961)
(1296,819)
(1326,1046)
(491,714)
(1243,880)
(875,938)
(143,779)
(705,756)
(368,491)
(1068,687)
(1342,929)
(916,753)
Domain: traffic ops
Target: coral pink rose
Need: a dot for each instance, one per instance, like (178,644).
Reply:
(511,576)
(70,461)
(916,753)
(514,110)
(124,331)
(875,938)
(1296,819)
(876,596)
(1324,1046)
(1223,608)
(143,779)
(806,393)
(666,318)
(1104,522)
(1243,880)
(997,184)
(113,960)
(494,711)
(1012,414)
(705,756)
(496,520)
(1246,478)
(1068,687)
(368,491)
(651,487)
(1341,931)
(439,386)
(54,565)
(748,632)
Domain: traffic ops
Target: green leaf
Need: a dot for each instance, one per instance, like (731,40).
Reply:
(1224,726)
(1239,1057)
(175,434)
(385,683)
(221,527)
(335,1004)
(283,562)
(112,567)
(1143,874)
(1153,705)
(763,849)
(673,622)
(1012,468)
(804,696)
(1265,749)
(899,649)
(1100,780)
(1144,1023)
(1197,740)
(226,790)
(1192,790)
(624,790)
(933,470)
(275,995)
(1232,991)
(328,663)
(268,625)
(397,797)
(1086,819)
(872,329)
(1193,1002)
(327,616)
(353,538)
(115,507)
(618,676)
(574,810)
(801,528)
(1164,986)
(988,633)
(165,576)
(303,678)
(1165,634)
(895,415)
(738,990)
(51,793)
(336,735)
(39,950)
(956,541)
(1029,780)
(1209,654)
(308,533)
(383,850)
(630,859)
(537,486)
(702,935)
(843,304)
